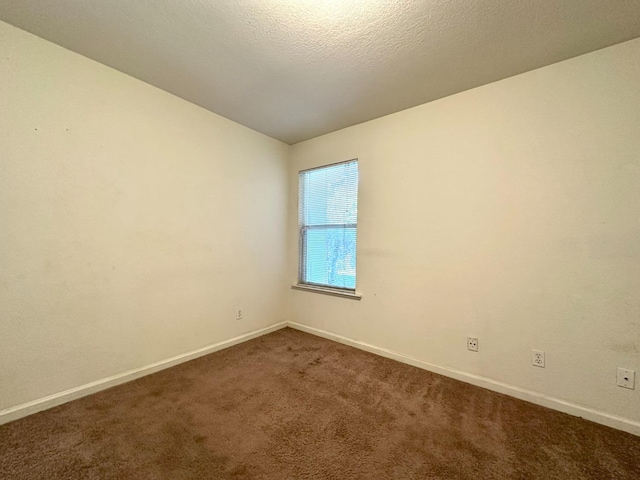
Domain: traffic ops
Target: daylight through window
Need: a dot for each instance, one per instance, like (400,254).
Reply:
(328,211)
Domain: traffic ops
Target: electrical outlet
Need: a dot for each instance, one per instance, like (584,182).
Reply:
(472,344)
(626,378)
(239,314)
(537,358)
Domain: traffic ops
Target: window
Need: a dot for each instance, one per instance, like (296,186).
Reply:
(328,220)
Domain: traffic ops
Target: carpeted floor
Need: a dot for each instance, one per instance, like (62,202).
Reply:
(294,406)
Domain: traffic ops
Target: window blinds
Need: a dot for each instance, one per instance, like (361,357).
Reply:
(328,211)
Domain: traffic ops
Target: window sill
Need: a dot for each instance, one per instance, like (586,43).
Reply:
(327,291)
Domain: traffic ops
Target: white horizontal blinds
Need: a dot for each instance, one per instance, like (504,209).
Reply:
(328,223)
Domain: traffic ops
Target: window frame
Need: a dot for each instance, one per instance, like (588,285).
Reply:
(302,239)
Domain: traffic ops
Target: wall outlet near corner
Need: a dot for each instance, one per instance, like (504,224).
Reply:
(239,314)
(537,358)
(626,378)
(472,344)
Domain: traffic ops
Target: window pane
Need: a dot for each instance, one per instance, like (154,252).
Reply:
(330,255)
(328,216)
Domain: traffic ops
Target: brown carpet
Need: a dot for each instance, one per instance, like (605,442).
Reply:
(293,406)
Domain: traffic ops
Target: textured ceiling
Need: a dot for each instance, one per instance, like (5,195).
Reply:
(295,69)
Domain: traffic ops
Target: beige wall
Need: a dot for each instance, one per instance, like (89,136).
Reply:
(132,223)
(510,212)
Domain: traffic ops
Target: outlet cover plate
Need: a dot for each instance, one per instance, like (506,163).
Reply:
(472,344)
(537,358)
(626,378)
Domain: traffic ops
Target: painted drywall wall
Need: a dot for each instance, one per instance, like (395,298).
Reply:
(132,223)
(510,213)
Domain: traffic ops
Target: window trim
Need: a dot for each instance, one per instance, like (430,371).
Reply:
(310,286)
(335,292)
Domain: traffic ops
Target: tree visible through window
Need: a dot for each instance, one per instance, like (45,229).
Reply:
(328,218)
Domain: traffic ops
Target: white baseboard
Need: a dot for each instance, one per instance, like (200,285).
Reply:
(603,418)
(19,411)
